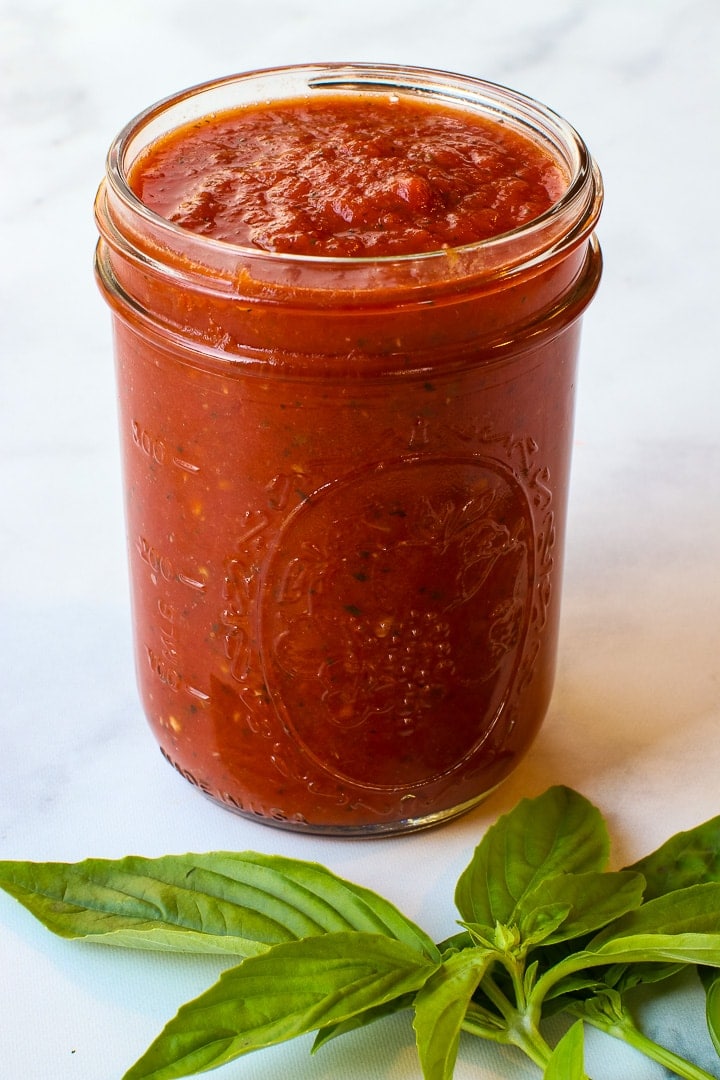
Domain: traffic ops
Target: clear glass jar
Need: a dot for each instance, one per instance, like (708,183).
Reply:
(346,484)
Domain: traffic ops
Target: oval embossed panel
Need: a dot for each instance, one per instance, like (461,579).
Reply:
(399,616)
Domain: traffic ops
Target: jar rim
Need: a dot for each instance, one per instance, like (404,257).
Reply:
(564,224)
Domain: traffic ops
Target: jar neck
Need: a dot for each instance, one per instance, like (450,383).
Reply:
(484,292)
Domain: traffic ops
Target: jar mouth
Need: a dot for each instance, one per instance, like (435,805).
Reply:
(563,225)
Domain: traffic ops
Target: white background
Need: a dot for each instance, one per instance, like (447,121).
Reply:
(635,720)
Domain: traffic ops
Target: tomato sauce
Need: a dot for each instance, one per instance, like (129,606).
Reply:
(346,422)
(349,178)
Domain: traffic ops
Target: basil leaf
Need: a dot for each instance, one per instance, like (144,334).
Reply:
(567,1060)
(558,832)
(624,977)
(685,912)
(688,858)
(569,989)
(711,981)
(681,927)
(363,1019)
(224,902)
(288,991)
(440,1008)
(591,901)
(656,948)
(685,859)
(540,923)
(676,948)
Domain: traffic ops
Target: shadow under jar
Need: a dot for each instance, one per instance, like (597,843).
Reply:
(346,431)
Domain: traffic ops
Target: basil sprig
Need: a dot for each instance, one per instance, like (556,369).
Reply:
(545,928)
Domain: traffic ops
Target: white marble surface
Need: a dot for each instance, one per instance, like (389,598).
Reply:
(635,718)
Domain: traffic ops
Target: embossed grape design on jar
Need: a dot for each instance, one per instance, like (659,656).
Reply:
(358,676)
(346,474)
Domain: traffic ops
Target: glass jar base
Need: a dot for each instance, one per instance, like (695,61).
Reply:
(369,830)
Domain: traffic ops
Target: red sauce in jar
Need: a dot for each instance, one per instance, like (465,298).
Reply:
(348,177)
(345,484)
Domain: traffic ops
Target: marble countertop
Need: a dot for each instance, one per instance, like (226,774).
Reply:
(635,717)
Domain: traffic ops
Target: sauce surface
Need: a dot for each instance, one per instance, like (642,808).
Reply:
(348,177)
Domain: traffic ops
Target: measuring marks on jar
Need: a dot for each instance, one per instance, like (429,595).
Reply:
(163,658)
(163,662)
(155,450)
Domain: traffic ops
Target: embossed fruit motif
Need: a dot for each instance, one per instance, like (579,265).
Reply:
(396,632)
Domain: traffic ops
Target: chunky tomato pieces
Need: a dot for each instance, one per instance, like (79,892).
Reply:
(359,176)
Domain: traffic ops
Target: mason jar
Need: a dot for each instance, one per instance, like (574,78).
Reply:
(346,480)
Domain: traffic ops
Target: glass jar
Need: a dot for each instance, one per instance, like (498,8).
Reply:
(346,483)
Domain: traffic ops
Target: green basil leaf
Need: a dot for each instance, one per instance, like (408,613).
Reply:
(440,1008)
(692,948)
(288,991)
(653,948)
(569,989)
(591,900)
(540,923)
(568,992)
(363,1019)
(688,858)
(681,927)
(624,977)
(558,832)
(711,981)
(567,1060)
(225,902)
(694,910)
